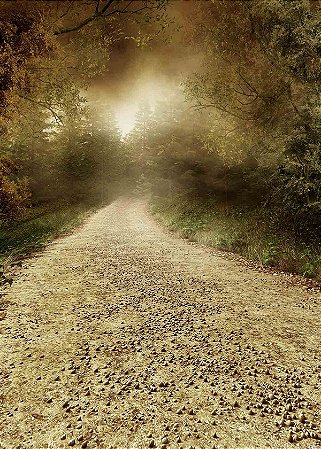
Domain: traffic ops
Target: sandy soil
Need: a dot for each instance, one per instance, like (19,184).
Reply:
(123,336)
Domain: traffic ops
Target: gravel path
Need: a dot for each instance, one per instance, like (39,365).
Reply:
(122,336)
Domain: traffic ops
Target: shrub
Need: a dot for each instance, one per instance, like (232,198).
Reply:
(14,192)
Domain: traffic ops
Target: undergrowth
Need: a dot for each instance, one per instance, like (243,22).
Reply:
(253,233)
(39,226)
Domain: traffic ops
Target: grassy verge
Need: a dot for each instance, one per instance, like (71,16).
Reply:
(253,234)
(34,231)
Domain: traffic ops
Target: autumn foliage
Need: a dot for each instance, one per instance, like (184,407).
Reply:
(14,192)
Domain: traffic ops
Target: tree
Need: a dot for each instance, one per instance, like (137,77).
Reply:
(95,11)
(138,142)
(48,52)
(90,157)
(14,192)
(289,33)
(23,42)
(260,81)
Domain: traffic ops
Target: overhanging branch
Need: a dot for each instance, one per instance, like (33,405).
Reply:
(45,106)
(105,12)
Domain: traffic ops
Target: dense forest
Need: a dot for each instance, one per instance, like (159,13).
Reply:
(229,148)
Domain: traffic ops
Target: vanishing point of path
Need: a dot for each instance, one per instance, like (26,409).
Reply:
(123,336)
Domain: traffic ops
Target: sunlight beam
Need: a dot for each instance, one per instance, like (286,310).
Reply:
(125,117)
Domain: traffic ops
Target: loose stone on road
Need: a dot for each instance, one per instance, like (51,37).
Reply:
(123,336)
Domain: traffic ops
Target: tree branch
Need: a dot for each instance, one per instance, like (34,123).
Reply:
(102,14)
(108,4)
(230,131)
(44,105)
(77,27)
(240,114)
(68,9)
(247,83)
(89,19)
(294,106)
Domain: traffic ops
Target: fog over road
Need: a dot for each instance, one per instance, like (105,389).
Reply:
(124,336)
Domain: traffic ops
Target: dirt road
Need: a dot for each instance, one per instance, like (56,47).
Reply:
(123,336)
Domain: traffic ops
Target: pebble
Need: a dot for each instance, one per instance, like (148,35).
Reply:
(141,357)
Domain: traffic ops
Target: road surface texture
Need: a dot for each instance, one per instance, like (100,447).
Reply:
(124,336)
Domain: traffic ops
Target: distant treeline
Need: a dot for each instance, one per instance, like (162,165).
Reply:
(82,161)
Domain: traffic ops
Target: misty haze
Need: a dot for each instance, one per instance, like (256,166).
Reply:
(160,224)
